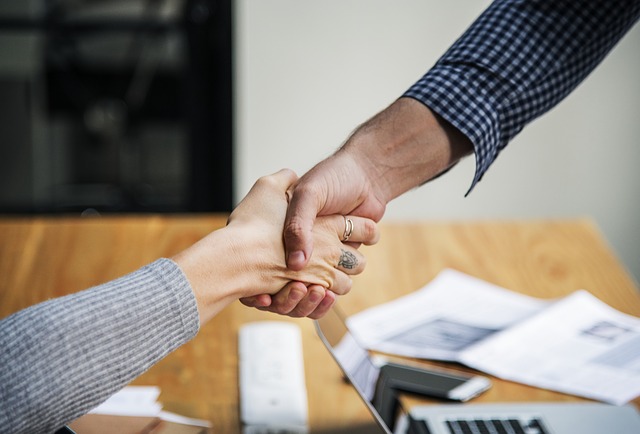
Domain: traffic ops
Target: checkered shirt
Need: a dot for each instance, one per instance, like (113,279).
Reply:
(517,61)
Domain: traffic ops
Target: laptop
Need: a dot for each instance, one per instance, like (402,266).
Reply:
(506,418)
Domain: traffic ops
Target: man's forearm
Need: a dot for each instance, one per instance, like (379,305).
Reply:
(404,146)
(517,61)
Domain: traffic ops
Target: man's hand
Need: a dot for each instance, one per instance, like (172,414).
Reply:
(337,185)
(295,300)
(399,149)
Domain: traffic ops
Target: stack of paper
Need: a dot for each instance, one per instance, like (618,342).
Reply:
(577,345)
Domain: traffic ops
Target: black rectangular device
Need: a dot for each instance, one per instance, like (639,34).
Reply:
(378,381)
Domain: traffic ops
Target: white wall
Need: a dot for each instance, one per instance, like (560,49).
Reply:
(308,72)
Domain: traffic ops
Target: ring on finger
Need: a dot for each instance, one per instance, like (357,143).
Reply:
(348,228)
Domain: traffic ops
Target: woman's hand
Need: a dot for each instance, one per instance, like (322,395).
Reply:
(247,257)
(258,222)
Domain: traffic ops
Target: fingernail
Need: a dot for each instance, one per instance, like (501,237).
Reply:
(316,297)
(296,258)
(296,296)
(263,300)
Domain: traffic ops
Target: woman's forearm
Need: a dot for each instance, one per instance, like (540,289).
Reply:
(63,357)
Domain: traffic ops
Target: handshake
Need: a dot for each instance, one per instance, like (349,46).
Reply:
(314,280)
(250,254)
(291,244)
(290,247)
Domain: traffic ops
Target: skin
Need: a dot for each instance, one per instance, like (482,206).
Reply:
(397,150)
(243,259)
(246,258)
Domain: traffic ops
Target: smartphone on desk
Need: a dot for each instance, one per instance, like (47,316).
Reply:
(397,379)
(373,373)
(379,381)
(435,383)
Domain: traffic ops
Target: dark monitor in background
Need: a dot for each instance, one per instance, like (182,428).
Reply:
(116,106)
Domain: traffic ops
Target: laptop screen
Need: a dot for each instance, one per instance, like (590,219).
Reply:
(568,417)
(353,360)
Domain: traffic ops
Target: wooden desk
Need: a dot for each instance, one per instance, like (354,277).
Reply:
(48,257)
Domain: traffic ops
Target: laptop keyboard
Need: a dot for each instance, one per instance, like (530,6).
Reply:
(496,426)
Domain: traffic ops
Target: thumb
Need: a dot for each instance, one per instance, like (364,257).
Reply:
(280,181)
(284,178)
(298,224)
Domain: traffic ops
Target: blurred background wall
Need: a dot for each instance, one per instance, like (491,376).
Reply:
(179,105)
(308,72)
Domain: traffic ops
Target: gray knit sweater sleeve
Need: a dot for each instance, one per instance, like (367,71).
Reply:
(61,358)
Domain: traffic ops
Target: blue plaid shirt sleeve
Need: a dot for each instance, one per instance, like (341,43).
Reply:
(517,61)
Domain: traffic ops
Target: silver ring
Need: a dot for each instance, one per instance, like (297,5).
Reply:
(348,229)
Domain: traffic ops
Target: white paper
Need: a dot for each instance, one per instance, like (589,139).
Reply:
(141,401)
(442,319)
(576,345)
(182,420)
(579,345)
(132,401)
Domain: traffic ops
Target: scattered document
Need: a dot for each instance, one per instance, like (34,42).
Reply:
(132,401)
(577,345)
(440,321)
(135,410)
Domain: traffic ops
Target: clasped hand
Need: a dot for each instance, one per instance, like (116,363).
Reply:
(311,290)
(246,259)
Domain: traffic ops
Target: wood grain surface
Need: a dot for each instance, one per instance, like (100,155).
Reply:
(44,257)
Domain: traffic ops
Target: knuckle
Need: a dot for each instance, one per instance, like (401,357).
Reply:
(343,287)
(264,180)
(282,308)
(371,232)
(296,313)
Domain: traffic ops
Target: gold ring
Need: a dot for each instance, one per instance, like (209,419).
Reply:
(348,229)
